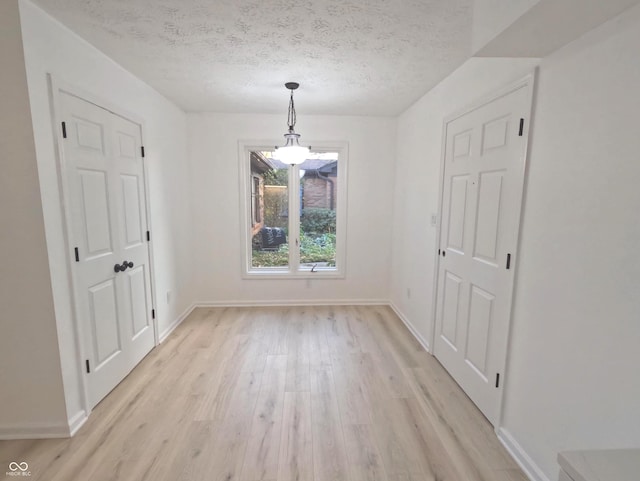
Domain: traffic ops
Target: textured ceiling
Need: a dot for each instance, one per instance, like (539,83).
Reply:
(351,57)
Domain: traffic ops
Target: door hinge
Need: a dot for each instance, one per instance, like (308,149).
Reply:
(153,313)
(508,261)
(142,150)
(88,366)
(148,236)
(498,379)
(521,131)
(77,254)
(64,130)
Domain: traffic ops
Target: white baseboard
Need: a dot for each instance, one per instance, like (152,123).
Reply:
(528,465)
(164,334)
(76,422)
(294,302)
(423,342)
(44,431)
(35,431)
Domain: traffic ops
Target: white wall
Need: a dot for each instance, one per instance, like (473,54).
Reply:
(417,179)
(51,48)
(214,157)
(29,359)
(492,17)
(572,379)
(540,30)
(573,376)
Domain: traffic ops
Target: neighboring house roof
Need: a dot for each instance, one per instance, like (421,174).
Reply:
(260,164)
(330,167)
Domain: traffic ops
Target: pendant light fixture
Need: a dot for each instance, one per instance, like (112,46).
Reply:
(292,152)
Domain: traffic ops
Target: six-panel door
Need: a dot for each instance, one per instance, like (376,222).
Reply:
(105,180)
(484,162)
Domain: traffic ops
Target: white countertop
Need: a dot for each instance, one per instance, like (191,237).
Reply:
(602,465)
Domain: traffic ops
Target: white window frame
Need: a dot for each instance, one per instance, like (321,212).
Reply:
(294,270)
(256,215)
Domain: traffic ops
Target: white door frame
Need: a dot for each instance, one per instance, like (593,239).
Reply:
(56,87)
(529,82)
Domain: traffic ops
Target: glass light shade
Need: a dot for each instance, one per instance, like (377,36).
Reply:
(292,153)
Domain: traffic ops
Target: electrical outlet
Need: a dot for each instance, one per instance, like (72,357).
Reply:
(434,219)
(168,297)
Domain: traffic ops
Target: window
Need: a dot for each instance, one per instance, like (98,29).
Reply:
(294,216)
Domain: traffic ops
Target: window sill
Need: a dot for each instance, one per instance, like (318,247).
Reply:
(294,275)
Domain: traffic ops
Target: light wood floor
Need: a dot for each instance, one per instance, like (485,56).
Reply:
(280,394)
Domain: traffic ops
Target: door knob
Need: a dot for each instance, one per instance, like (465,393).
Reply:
(123,267)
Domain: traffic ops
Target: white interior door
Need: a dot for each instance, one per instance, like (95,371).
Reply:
(484,160)
(105,179)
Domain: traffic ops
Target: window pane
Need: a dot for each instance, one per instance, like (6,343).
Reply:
(318,195)
(270,182)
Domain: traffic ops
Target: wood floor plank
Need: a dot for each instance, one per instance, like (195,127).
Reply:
(340,336)
(318,345)
(435,461)
(296,451)
(405,437)
(462,426)
(322,380)
(329,459)
(165,450)
(408,351)
(263,449)
(280,318)
(298,373)
(404,477)
(509,475)
(190,463)
(353,401)
(365,462)
(271,329)
(307,393)
(454,443)
(396,441)
(224,449)
(381,351)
